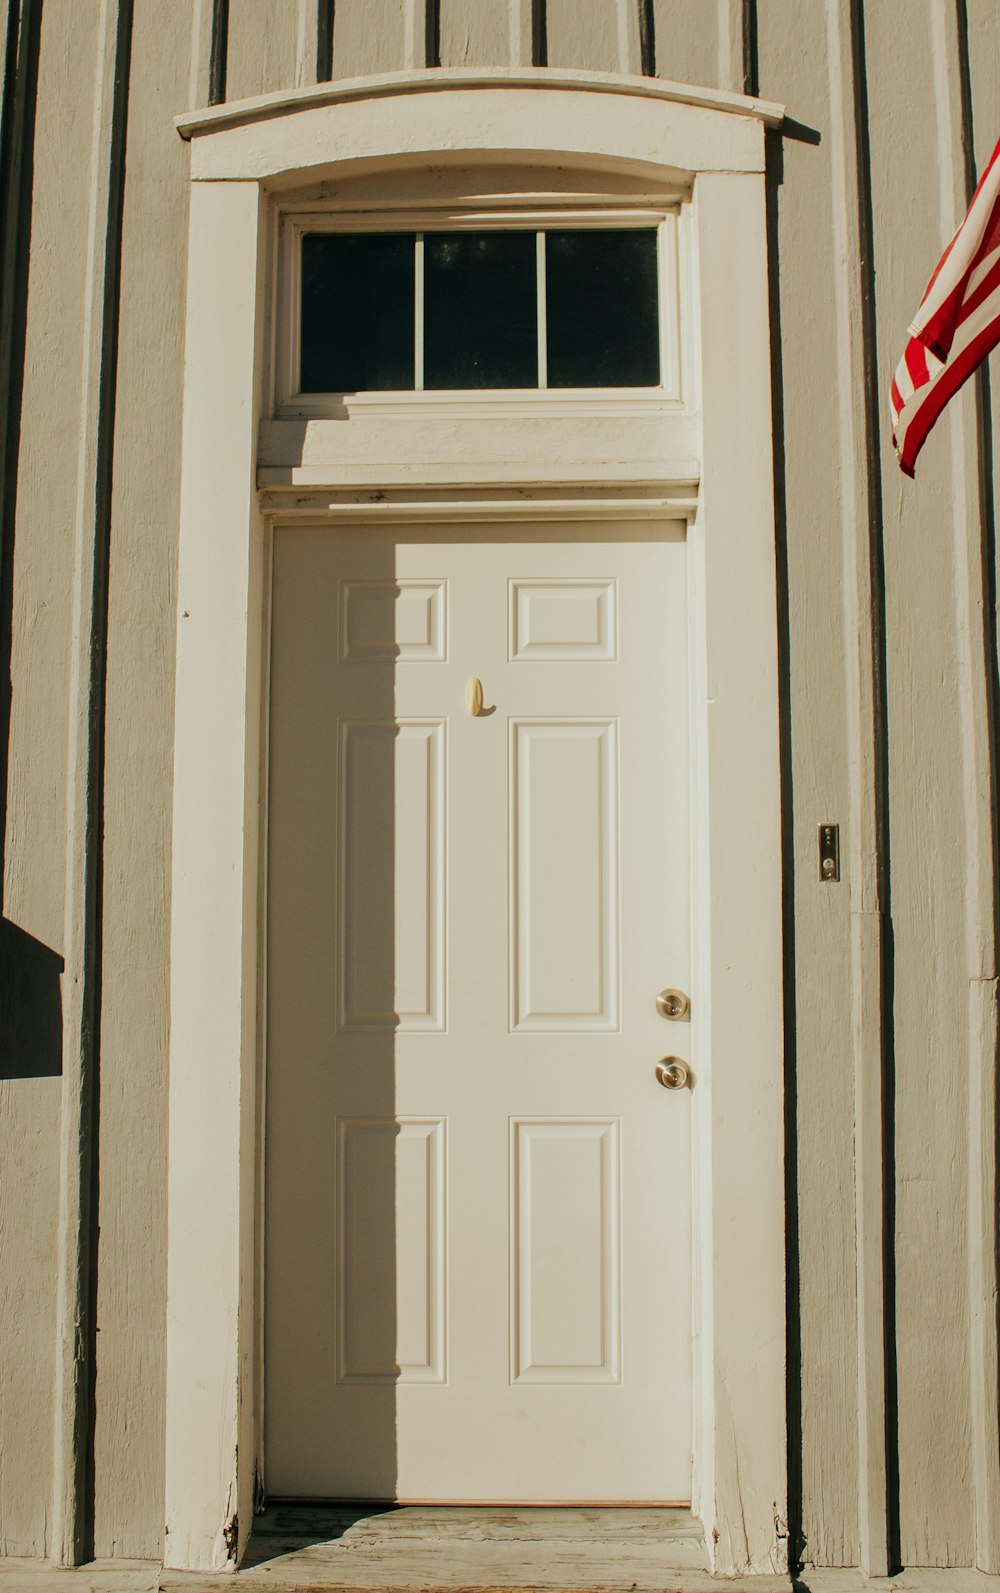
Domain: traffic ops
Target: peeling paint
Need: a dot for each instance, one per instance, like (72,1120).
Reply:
(231,1535)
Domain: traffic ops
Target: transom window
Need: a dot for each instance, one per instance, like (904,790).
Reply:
(496,309)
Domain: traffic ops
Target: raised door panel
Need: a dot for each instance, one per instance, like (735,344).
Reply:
(564,875)
(399,620)
(392,876)
(391,1252)
(565,1251)
(563,621)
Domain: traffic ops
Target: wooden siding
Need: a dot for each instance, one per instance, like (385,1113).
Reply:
(50,77)
(888,652)
(131,1297)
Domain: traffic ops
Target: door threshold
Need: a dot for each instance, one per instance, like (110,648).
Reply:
(375,1548)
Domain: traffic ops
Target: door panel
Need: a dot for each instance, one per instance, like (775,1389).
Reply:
(565,1282)
(391,1199)
(477,1220)
(564,875)
(393,782)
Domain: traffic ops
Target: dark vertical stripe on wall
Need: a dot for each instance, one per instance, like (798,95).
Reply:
(751,70)
(17,124)
(773,179)
(432,27)
(647,38)
(17,133)
(220,52)
(324,41)
(90,1039)
(539,34)
(876,566)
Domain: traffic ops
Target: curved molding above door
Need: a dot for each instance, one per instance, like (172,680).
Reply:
(592,118)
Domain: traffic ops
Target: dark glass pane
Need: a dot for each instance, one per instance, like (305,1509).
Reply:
(357,312)
(480,310)
(601,309)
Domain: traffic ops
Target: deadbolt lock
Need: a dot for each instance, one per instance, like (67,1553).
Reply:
(673,1004)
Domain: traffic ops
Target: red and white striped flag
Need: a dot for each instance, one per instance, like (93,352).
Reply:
(957,324)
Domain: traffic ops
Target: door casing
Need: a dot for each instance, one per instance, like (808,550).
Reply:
(715,142)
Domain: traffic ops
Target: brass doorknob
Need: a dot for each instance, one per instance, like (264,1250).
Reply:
(672,1073)
(673,1004)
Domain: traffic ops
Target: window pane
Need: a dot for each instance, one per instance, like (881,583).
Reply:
(480,310)
(357,312)
(601,308)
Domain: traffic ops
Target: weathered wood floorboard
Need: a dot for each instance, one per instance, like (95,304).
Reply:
(454,1547)
(474,1523)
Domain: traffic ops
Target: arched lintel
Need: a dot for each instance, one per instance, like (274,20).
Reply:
(593,120)
(495,179)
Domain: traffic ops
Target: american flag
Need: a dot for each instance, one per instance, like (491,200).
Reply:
(957,324)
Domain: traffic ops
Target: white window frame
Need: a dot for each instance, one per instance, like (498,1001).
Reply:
(287,400)
(710,462)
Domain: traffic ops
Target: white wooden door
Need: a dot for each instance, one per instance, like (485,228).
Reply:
(477,1194)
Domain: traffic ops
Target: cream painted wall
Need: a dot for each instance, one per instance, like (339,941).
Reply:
(898,961)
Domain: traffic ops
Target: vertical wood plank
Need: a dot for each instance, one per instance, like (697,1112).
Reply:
(79,1218)
(29,1108)
(979,45)
(823,515)
(41,595)
(686,42)
(869,861)
(476,35)
(700,43)
(983,123)
(939,788)
(730,49)
(262,51)
(603,36)
(129,1429)
(984,1030)
(50,75)
(527,32)
(378,36)
(983,51)
(206,20)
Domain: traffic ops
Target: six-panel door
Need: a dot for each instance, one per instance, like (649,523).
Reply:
(477,1195)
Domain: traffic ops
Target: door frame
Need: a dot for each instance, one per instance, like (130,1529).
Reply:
(243,156)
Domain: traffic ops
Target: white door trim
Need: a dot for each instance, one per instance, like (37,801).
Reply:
(213,1403)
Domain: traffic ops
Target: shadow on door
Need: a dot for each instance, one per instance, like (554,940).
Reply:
(331,1130)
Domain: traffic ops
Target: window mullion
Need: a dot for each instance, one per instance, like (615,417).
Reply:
(542,317)
(418,312)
